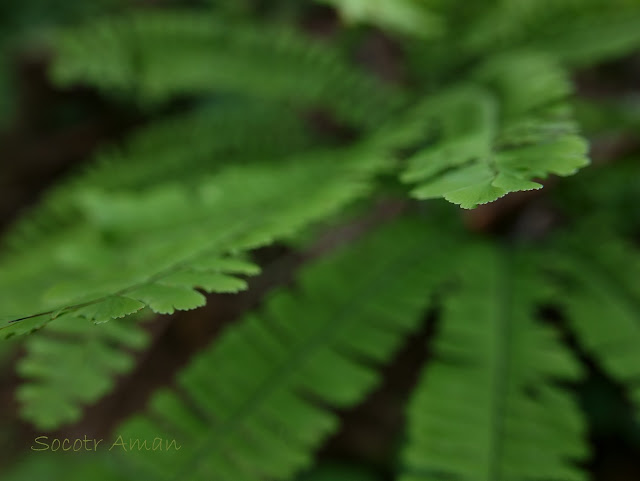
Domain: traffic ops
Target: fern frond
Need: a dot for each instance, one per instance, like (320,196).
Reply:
(199,142)
(599,292)
(258,402)
(493,137)
(94,354)
(576,32)
(152,248)
(182,148)
(157,55)
(489,407)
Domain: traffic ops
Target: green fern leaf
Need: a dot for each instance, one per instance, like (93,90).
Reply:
(165,299)
(199,142)
(257,403)
(497,135)
(20,326)
(147,246)
(178,148)
(162,54)
(72,363)
(598,290)
(112,307)
(489,407)
(578,33)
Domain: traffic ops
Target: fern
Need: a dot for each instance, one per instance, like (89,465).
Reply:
(67,278)
(131,220)
(480,182)
(598,289)
(490,408)
(50,396)
(94,356)
(163,54)
(181,147)
(564,29)
(177,148)
(490,145)
(227,163)
(575,33)
(262,414)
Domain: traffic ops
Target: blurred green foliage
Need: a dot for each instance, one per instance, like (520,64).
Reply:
(260,133)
